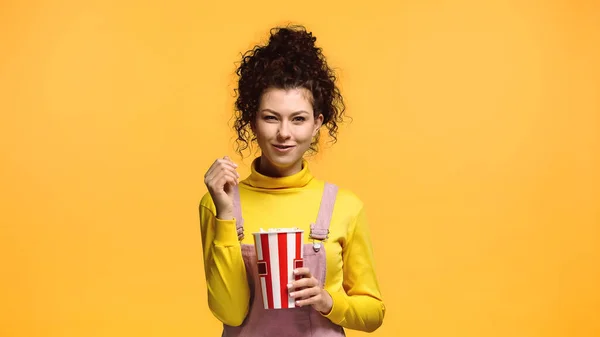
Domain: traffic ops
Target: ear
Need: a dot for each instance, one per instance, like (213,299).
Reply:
(318,124)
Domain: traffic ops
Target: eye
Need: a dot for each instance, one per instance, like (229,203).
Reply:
(299,119)
(269,118)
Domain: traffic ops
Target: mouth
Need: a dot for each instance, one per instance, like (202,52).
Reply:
(283,147)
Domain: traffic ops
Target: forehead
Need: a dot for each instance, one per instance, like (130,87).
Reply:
(287,101)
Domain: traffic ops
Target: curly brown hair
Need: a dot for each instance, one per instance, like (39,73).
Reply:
(289,60)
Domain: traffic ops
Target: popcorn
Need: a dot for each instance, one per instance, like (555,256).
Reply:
(279,251)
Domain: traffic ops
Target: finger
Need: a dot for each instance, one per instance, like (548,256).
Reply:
(304,272)
(213,166)
(309,301)
(218,173)
(303,283)
(233,177)
(209,173)
(225,178)
(227,159)
(220,163)
(226,166)
(212,177)
(306,293)
(232,170)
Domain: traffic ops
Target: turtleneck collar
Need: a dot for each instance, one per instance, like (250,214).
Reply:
(259,180)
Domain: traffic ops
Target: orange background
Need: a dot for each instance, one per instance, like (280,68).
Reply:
(475,146)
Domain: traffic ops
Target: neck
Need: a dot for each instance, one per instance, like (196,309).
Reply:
(266,168)
(268,181)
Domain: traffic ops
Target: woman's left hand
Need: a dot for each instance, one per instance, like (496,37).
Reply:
(308,291)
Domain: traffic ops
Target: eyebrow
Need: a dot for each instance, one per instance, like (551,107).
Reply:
(278,114)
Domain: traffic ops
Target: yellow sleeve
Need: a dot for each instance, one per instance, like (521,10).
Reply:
(359,305)
(226,280)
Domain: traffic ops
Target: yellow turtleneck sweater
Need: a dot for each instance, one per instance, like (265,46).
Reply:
(292,201)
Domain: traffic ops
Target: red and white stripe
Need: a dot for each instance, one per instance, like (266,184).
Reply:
(282,253)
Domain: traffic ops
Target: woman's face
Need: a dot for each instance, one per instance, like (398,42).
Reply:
(285,127)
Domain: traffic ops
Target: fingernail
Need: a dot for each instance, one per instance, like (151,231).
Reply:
(295,271)
(289,285)
(292,294)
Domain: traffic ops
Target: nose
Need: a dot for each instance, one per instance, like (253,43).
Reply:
(284,130)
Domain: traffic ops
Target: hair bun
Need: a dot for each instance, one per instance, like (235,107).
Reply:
(292,41)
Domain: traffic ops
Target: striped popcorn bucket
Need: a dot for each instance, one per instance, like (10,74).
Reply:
(279,252)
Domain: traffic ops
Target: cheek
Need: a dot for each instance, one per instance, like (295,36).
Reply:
(261,131)
(307,134)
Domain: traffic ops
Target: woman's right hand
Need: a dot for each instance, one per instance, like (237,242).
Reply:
(220,179)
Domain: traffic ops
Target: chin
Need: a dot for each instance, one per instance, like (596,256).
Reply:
(281,162)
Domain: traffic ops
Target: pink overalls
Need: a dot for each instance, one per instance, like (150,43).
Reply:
(293,322)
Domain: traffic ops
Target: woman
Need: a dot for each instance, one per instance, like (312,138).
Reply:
(286,93)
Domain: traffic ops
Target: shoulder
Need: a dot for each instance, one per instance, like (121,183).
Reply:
(348,201)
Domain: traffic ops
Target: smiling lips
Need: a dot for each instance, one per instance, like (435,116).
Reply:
(282,148)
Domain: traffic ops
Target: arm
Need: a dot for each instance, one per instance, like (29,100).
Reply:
(226,281)
(358,305)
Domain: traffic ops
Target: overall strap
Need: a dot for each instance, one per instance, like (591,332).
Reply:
(237,213)
(320,229)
